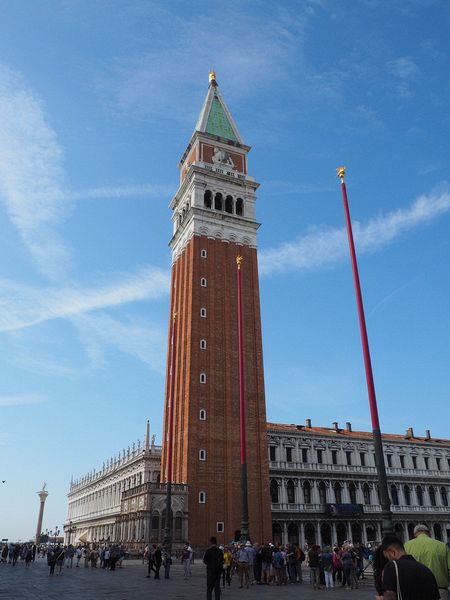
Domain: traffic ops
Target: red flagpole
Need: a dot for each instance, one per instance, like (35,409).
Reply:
(171,394)
(243,444)
(169,475)
(243,441)
(387,524)
(362,320)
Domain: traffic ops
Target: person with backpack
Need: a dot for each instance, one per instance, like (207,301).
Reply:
(337,565)
(51,560)
(278,565)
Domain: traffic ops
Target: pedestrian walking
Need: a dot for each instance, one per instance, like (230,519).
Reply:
(213,560)
(227,562)
(433,554)
(158,560)
(327,565)
(243,565)
(404,577)
(314,566)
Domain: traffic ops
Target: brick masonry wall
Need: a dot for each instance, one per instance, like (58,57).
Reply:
(219,475)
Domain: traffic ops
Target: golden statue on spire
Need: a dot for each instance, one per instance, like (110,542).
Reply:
(212,76)
(341,173)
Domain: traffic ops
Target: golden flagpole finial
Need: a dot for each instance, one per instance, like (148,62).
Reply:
(341,173)
(239,260)
(212,76)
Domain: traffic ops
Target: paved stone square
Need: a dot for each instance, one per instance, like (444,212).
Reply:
(130,583)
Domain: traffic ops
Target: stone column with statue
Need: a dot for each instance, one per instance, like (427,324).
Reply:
(42,497)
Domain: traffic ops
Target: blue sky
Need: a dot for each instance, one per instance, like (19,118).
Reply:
(97,104)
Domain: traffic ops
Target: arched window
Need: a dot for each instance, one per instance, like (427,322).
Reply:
(203,312)
(203,253)
(202,454)
(394,495)
(202,414)
(432,495)
(203,282)
(338,492)
(444,496)
(229,205)
(352,493)
(240,207)
(202,377)
(290,489)
(419,492)
(207,199)
(202,344)
(407,494)
(218,201)
(274,491)
(322,493)
(202,497)
(307,492)
(366,493)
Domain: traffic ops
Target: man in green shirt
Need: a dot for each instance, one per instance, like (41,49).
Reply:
(433,554)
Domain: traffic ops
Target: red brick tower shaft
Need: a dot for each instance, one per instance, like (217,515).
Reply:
(214,222)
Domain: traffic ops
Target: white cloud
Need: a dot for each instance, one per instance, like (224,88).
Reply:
(31,175)
(405,71)
(22,399)
(403,68)
(124,191)
(23,306)
(37,200)
(326,246)
(135,337)
(249,48)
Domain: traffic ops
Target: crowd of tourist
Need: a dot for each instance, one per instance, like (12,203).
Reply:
(277,564)
(420,569)
(59,556)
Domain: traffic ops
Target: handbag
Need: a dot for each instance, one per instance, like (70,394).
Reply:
(399,592)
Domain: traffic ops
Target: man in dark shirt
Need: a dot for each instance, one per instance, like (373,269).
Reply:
(416,581)
(213,560)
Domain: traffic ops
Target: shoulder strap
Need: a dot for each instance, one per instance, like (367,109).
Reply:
(399,591)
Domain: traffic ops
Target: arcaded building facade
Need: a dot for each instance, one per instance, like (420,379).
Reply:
(323,483)
(323,488)
(124,502)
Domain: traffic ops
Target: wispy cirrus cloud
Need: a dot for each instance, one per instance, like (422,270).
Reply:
(405,71)
(122,191)
(252,49)
(22,399)
(322,247)
(31,175)
(136,337)
(34,191)
(23,306)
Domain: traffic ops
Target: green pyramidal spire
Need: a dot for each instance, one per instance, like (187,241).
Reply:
(215,118)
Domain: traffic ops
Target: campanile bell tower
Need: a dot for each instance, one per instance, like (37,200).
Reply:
(214,221)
